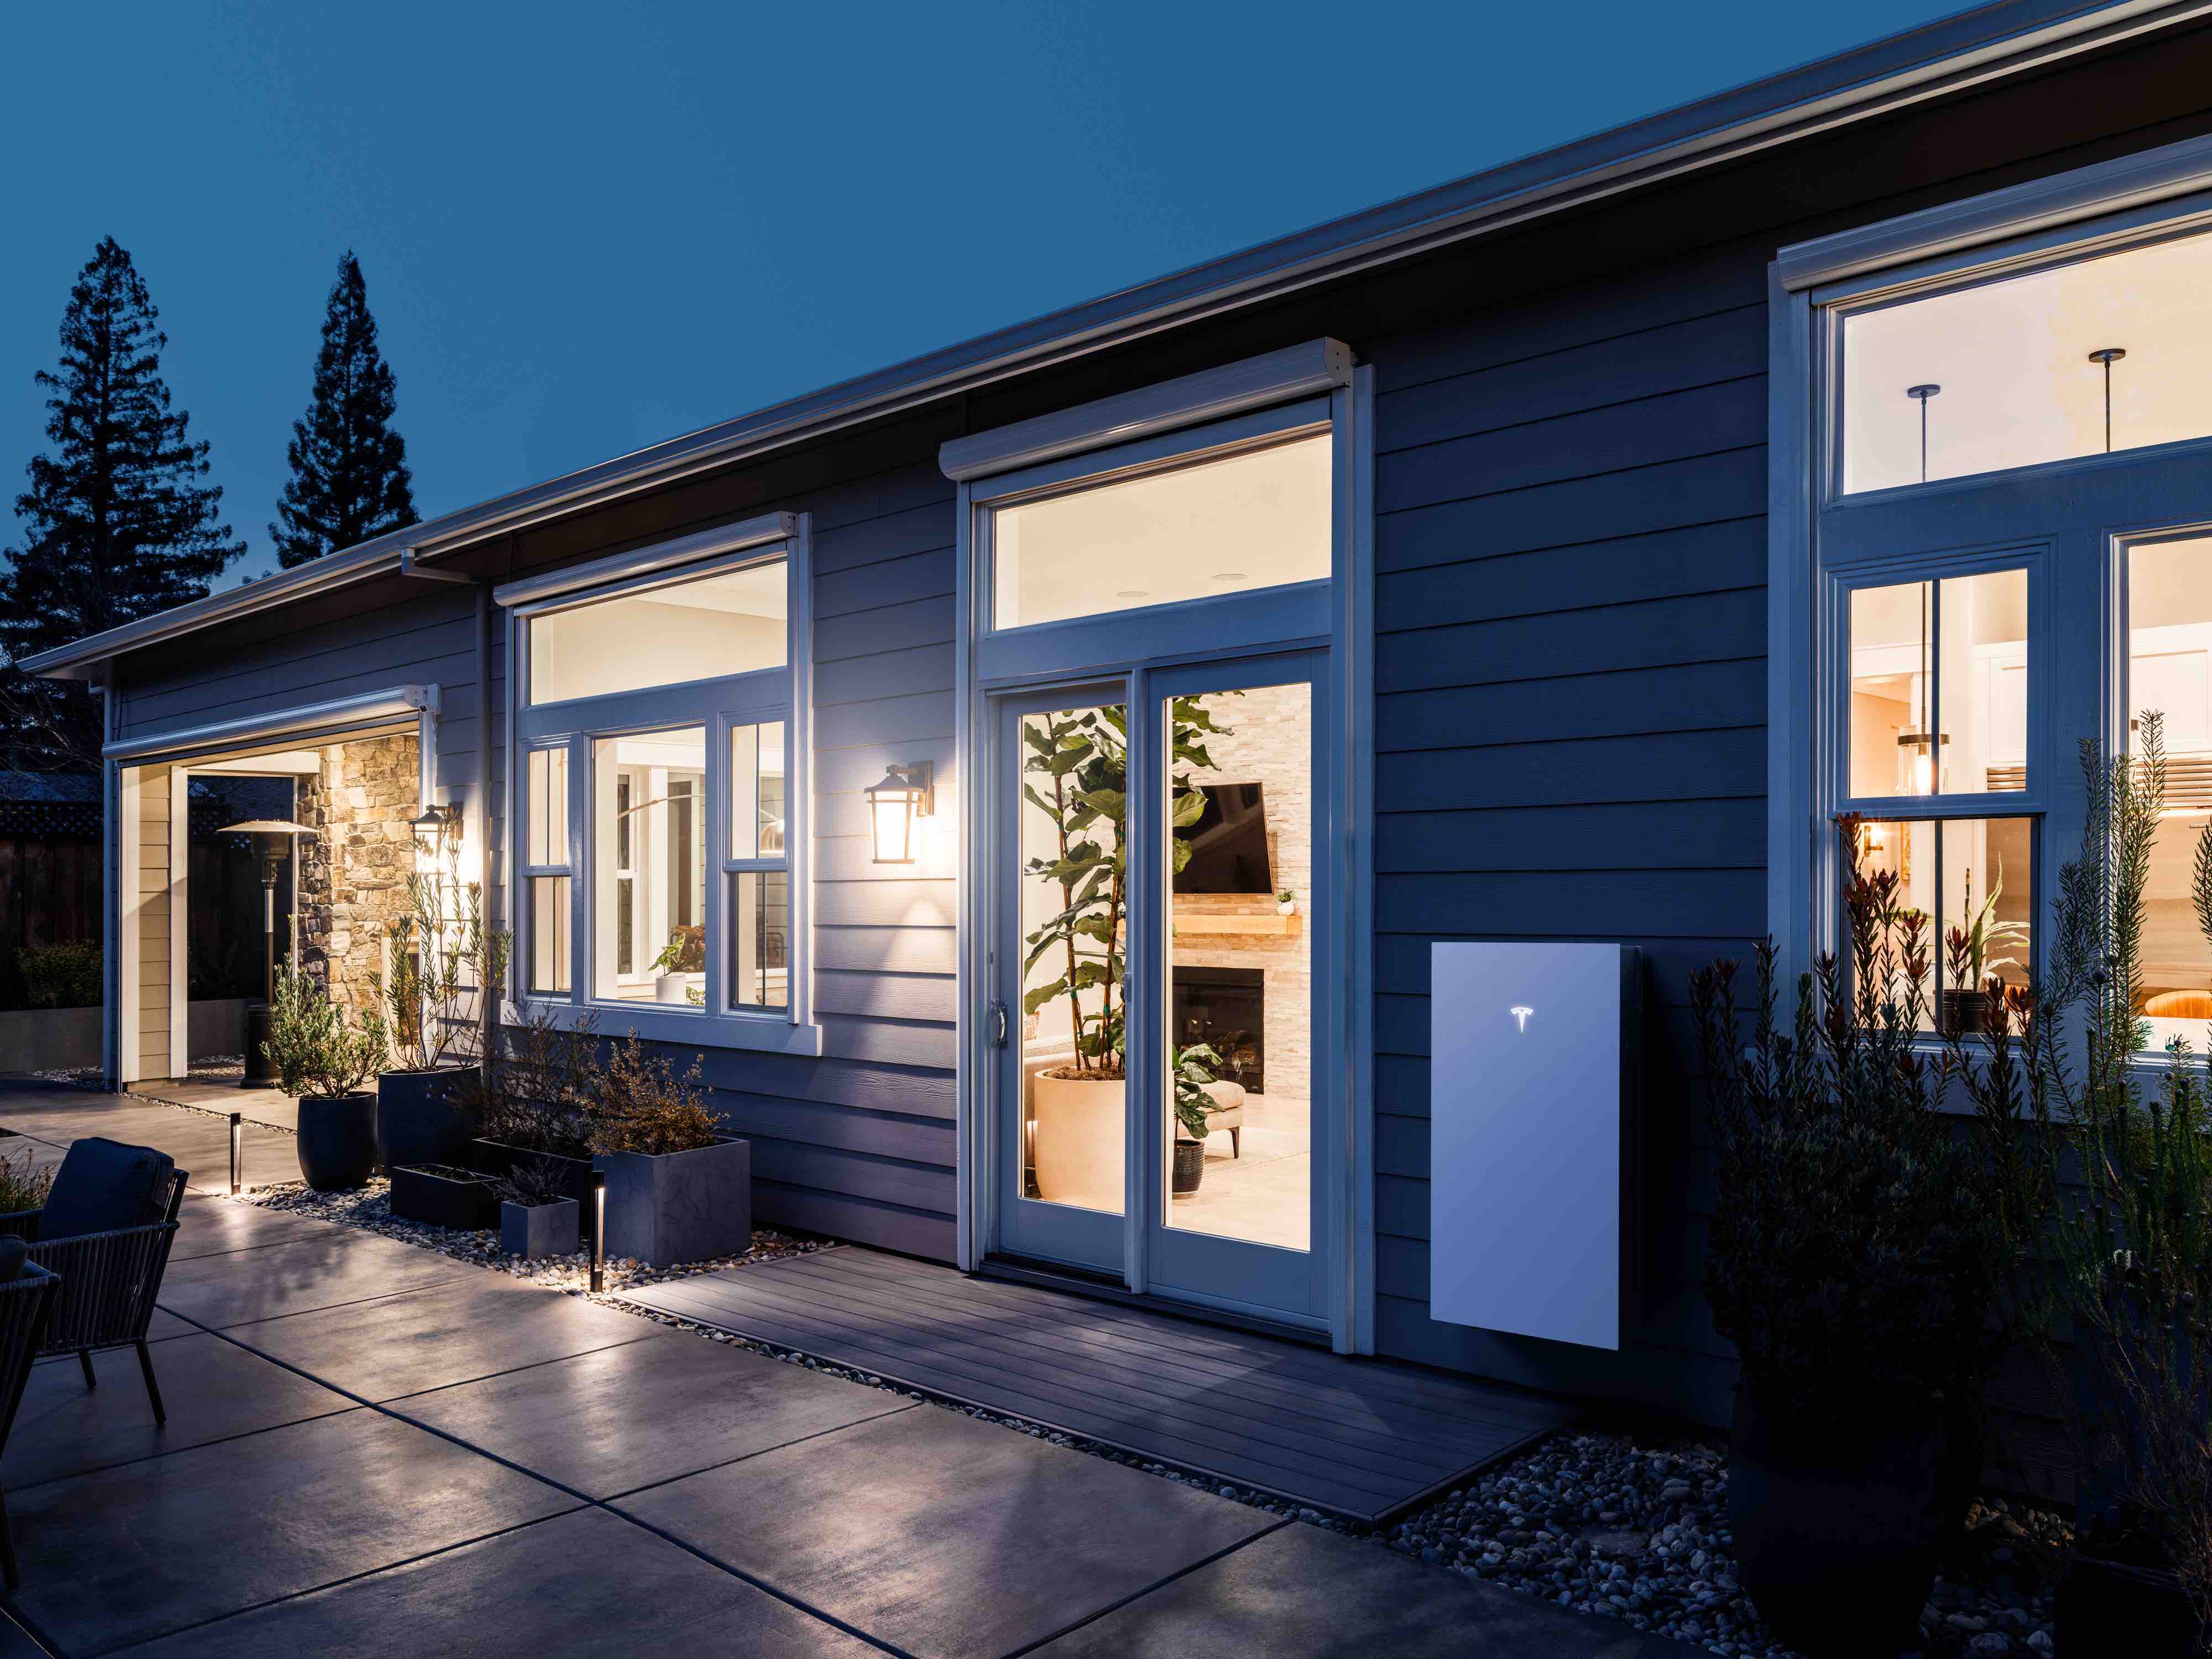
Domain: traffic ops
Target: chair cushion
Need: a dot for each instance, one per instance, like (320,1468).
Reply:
(105,1184)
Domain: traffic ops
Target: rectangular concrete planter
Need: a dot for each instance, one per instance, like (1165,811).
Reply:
(531,1231)
(496,1158)
(443,1197)
(679,1206)
(49,1039)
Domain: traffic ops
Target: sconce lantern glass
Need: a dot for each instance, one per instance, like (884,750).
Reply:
(903,796)
(432,828)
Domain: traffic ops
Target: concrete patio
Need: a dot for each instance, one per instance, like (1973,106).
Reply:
(374,1449)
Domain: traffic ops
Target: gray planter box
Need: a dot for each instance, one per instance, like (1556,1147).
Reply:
(679,1206)
(531,1231)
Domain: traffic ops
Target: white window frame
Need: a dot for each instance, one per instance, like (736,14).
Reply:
(2141,198)
(715,706)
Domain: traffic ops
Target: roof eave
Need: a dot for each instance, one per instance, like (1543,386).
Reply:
(1943,57)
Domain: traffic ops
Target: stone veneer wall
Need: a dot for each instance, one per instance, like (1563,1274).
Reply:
(1271,743)
(353,877)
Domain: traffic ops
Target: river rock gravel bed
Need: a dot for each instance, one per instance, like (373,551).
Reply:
(1638,1530)
(370,1207)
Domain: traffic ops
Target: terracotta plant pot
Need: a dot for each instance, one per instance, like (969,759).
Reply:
(337,1140)
(1838,1524)
(1078,1140)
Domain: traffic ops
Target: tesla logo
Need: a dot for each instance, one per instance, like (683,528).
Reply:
(1521,1014)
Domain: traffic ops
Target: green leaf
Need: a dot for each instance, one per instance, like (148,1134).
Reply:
(1033,1000)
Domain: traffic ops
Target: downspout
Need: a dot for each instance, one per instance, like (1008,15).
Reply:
(488,997)
(111,953)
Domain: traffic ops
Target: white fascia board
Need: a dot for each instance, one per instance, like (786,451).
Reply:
(761,532)
(397,703)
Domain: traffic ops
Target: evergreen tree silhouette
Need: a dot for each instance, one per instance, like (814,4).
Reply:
(118,521)
(350,478)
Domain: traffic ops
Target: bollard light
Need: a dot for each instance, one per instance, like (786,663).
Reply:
(237,1149)
(599,1231)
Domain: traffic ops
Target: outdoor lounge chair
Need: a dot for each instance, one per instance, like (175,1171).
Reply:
(106,1230)
(26,1300)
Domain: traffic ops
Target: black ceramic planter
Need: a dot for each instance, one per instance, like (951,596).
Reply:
(1189,1166)
(426,1117)
(441,1195)
(337,1140)
(1838,1524)
(496,1158)
(679,1206)
(2098,1599)
(531,1231)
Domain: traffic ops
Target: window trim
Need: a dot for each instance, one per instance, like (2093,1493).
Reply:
(1179,417)
(2136,200)
(783,694)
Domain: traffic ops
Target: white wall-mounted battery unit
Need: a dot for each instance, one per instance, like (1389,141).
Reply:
(1532,1051)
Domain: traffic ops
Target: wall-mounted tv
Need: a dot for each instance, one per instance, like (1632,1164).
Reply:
(1228,843)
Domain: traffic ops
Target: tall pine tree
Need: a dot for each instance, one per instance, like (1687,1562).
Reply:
(118,521)
(350,479)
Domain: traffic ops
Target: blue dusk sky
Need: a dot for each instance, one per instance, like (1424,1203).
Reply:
(588,227)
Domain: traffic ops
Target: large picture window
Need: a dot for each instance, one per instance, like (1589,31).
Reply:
(660,721)
(2008,474)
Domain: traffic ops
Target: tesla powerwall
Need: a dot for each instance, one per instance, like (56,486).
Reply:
(1530,1051)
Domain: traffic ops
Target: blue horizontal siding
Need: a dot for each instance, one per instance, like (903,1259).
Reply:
(1570,721)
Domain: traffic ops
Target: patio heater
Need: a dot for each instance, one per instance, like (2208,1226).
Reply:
(273,839)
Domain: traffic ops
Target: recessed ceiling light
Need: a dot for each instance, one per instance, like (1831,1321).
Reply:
(1229,577)
(1134,593)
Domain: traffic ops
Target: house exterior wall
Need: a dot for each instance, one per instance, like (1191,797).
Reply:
(1570,668)
(353,878)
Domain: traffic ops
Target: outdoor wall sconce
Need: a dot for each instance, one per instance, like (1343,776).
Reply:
(432,828)
(905,795)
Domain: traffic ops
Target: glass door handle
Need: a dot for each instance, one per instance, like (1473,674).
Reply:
(998,1024)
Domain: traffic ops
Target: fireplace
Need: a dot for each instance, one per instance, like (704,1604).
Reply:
(1224,1008)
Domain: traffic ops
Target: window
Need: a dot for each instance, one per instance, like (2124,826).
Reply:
(1969,639)
(734,623)
(2169,607)
(2093,356)
(546,874)
(1262,518)
(1957,646)
(759,869)
(668,703)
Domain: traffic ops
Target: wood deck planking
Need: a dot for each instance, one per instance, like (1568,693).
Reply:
(1352,1437)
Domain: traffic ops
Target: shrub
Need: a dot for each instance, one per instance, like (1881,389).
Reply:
(318,1055)
(23,1185)
(542,1081)
(61,975)
(531,1181)
(644,1105)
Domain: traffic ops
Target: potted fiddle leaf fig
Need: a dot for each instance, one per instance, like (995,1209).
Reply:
(442,956)
(1076,773)
(323,1060)
(1195,1068)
